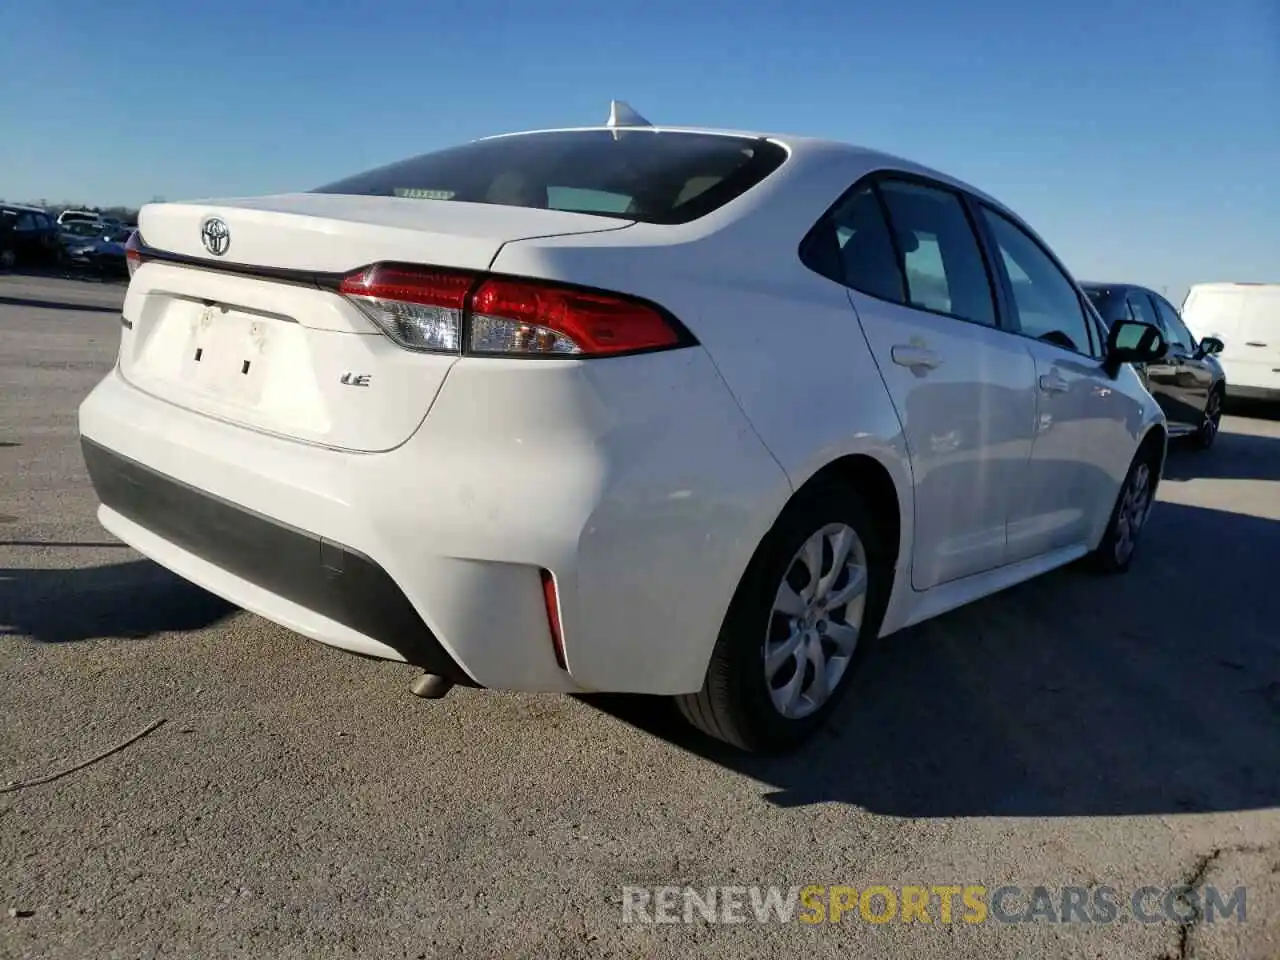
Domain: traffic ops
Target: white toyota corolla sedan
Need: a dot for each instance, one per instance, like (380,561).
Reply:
(624,408)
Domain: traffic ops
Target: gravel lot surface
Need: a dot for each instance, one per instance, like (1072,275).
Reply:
(299,802)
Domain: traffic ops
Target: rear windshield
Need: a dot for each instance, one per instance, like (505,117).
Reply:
(656,177)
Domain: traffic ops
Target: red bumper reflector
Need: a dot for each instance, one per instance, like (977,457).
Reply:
(552,601)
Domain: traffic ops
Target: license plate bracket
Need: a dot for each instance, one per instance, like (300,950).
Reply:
(228,353)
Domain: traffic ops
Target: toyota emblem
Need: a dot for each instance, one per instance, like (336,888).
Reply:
(216,236)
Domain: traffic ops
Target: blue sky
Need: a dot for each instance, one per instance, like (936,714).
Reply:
(1142,139)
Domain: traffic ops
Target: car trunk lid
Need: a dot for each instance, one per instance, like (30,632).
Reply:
(243,321)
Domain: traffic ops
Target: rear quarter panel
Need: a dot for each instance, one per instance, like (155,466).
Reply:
(785,341)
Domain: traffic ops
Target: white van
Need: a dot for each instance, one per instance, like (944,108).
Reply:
(1246,318)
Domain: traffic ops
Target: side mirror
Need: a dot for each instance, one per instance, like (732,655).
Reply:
(1131,341)
(1211,346)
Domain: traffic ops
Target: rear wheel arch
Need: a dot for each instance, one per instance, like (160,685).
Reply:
(1156,440)
(873,483)
(857,490)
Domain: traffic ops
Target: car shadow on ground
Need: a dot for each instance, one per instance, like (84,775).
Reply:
(84,275)
(41,303)
(133,599)
(1234,456)
(1249,407)
(1070,695)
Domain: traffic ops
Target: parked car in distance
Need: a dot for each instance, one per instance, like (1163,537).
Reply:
(1246,318)
(623,408)
(1189,383)
(28,237)
(107,256)
(83,216)
(84,229)
(79,237)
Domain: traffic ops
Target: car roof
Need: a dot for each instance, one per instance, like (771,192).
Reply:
(24,207)
(1100,285)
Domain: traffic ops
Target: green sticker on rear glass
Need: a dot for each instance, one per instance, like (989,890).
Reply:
(414,193)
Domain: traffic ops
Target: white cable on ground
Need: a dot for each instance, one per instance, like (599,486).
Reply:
(13,785)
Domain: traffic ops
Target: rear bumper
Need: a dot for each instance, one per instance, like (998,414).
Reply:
(330,580)
(640,488)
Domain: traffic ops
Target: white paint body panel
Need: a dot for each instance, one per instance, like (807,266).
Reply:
(968,427)
(333,234)
(644,483)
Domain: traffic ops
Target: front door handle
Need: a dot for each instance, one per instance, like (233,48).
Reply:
(1052,383)
(916,358)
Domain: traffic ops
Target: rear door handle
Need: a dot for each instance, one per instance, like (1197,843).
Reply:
(917,358)
(1052,383)
(1253,343)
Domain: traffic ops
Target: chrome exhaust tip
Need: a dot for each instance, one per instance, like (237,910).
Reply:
(430,686)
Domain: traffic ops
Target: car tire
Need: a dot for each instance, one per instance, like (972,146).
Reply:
(741,702)
(8,259)
(1210,421)
(1129,516)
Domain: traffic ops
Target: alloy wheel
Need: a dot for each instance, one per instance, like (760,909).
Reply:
(1134,508)
(1212,418)
(815,622)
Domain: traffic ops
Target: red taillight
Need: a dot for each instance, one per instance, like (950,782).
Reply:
(552,601)
(432,288)
(517,317)
(430,309)
(133,252)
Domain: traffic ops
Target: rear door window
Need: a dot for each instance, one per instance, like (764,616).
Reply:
(652,176)
(944,268)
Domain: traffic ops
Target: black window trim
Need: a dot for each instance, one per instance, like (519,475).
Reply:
(1097,327)
(1095,349)
(872,180)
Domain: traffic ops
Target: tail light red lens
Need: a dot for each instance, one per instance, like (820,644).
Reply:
(451,311)
(516,317)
